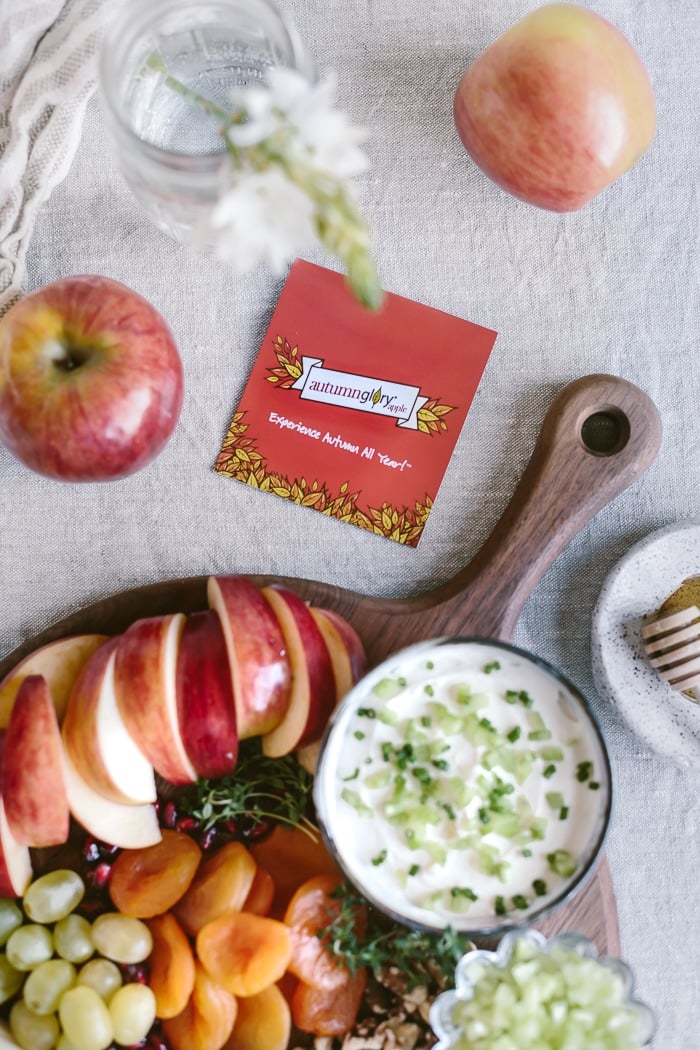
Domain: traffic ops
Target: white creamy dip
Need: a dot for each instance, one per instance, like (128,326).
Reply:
(463,784)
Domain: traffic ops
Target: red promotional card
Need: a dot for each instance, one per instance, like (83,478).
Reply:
(353,413)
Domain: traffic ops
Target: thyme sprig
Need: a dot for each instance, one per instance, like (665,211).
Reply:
(380,944)
(262,790)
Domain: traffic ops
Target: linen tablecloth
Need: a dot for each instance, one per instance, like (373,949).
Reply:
(613,288)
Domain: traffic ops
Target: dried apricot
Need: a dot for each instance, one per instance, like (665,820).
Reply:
(207,1020)
(221,884)
(149,881)
(261,893)
(263,1022)
(171,965)
(312,908)
(245,953)
(291,857)
(329,1012)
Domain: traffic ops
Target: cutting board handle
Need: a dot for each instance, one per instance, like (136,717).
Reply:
(599,435)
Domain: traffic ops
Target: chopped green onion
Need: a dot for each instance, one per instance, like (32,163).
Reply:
(353,776)
(493,666)
(540,887)
(366,712)
(520,902)
(514,734)
(379,859)
(549,770)
(359,735)
(584,771)
(561,862)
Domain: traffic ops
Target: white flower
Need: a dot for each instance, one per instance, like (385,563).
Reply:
(301,115)
(262,218)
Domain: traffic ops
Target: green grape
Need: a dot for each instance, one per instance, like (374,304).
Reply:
(11,980)
(11,918)
(29,946)
(33,1032)
(133,1011)
(45,986)
(121,938)
(85,1019)
(65,1044)
(72,939)
(101,975)
(54,896)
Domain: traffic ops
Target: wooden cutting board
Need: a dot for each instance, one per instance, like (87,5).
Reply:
(599,435)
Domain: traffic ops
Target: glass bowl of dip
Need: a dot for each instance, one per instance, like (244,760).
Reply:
(464,783)
(534,992)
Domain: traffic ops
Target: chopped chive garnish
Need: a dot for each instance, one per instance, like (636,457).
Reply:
(414,869)
(525,698)
(429,665)
(353,776)
(463,891)
(366,712)
(440,763)
(540,887)
(387,751)
(511,696)
(514,734)
(484,815)
(593,785)
(448,809)
(493,666)
(549,770)
(519,901)
(422,776)
(359,735)
(563,812)
(428,690)
(561,862)
(379,859)
(499,906)
(584,771)
(526,852)
(426,721)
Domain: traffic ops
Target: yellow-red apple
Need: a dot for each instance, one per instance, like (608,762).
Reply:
(96,739)
(346,651)
(205,708)
(313,683)
(258,659)
(91,380)
(58,662)
(31,777)
(15,861)
(557,108)
(145,685)
(126,826)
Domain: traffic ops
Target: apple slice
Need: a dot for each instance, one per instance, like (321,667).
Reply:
(346,651)
(96,738)
(59,663)
(205,708)
(257,653)
(145,674)
(15,861)
(126,826)
(313,683)
(31,779)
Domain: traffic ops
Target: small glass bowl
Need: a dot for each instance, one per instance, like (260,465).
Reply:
(441,1011)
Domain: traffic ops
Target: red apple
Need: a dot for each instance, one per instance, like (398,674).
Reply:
(145,681)
(206,712)
(257,653)
(96,739)
(557,108)
(91,380)
(15,861)
(58,662)
(31,779)
(126,826)
(313,683)
(346,651)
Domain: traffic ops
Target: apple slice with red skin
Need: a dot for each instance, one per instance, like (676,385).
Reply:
(97,740)
(257,652)
(59,663)
(346,651)
(145,677)
(205,708)
(15,861)
(126,826)
(313,682)
(349,662)
(31,778)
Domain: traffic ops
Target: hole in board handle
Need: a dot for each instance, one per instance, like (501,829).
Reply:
(605,432)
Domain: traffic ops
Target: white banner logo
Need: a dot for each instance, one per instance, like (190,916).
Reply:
(347,390)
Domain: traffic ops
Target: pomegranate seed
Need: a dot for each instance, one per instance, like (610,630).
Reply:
(209,839)
(170,815)
(187,824)
(135,973)
(99,876)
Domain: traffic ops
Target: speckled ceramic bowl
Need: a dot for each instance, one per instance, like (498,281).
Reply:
(450,1033)
(667,721)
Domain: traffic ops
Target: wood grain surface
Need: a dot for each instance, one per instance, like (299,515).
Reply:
(599,435)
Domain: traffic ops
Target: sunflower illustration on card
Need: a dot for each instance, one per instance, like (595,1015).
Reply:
(355,413)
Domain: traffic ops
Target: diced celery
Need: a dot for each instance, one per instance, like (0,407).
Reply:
(387,716)
(353,799)
(555,799)
(387,688)
(382,778)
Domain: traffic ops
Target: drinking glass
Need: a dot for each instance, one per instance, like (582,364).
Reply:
(169,150)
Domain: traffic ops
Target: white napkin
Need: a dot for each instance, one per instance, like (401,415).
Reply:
(48,68)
